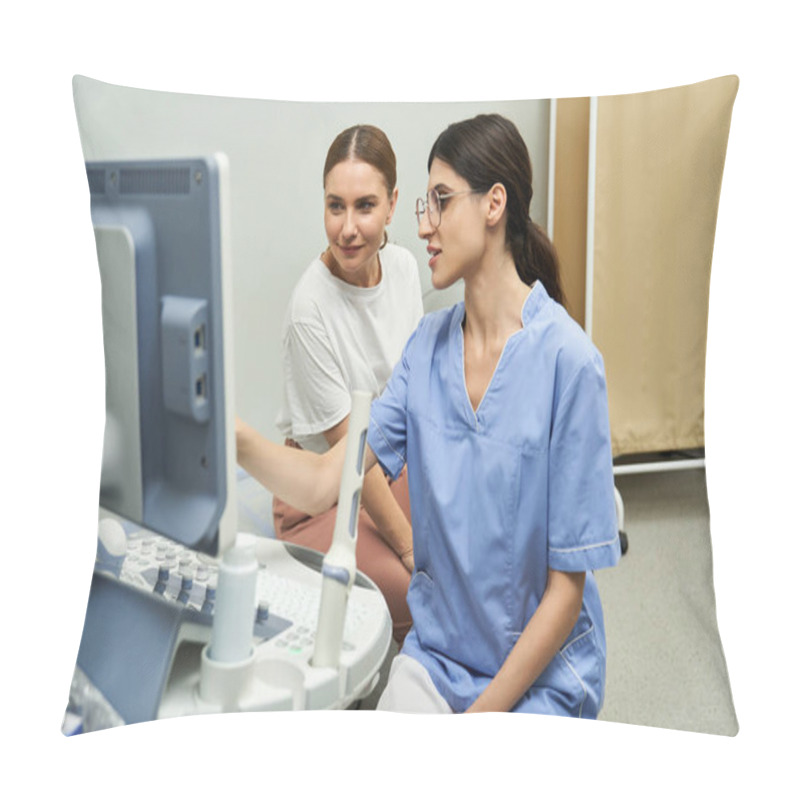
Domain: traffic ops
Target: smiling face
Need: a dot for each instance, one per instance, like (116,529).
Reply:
(358,207)
(457,246)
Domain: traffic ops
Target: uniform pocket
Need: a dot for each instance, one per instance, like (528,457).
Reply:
(437,620)
(420,602)
(572,683)
(585,659)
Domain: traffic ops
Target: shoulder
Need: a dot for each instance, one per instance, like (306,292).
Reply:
(436,323)
(400,264)
(394,254)
(312,293)
(576,347)
(435,328)
(564,341)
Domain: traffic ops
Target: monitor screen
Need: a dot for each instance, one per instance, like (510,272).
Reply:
(168,451)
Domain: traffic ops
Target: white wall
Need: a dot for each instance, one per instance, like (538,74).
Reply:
(276,151)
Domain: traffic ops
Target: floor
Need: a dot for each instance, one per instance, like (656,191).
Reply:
(666,665)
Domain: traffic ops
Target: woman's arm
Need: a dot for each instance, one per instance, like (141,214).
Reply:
(379,502)
(544,634)
(303,479)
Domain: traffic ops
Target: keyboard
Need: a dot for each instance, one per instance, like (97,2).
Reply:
(285,618)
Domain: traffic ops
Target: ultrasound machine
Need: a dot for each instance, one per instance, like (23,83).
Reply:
(194,606)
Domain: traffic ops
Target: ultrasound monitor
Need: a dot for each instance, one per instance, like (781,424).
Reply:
(222,620)
(168,450)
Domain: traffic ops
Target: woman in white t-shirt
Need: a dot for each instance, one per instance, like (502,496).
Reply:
(349,317)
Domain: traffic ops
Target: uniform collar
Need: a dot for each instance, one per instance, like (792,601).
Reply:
(536,299)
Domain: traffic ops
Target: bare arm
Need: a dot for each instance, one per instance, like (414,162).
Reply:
(544,634)
(391,522)
(306,480)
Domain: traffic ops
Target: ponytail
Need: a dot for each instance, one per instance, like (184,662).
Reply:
(536,259)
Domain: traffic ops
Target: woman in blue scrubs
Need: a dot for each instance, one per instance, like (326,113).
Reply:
(498,407)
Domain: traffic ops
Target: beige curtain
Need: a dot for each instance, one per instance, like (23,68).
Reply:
(570,200)
(659,163)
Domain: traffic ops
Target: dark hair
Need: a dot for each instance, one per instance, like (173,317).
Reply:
(488,149)
(364,143)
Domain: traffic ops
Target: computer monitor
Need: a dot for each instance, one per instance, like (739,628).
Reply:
(161,229)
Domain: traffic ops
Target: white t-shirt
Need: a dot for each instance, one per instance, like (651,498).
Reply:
(338,338)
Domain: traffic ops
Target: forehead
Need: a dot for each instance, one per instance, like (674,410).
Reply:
(443,175)
(356,178)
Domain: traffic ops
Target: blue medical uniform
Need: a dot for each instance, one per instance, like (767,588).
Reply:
(500,495)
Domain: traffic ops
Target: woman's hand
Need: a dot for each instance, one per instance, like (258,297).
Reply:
(408,559)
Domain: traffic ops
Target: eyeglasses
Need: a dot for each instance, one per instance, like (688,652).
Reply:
(433,205)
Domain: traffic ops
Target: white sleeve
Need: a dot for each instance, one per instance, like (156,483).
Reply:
(316,396)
